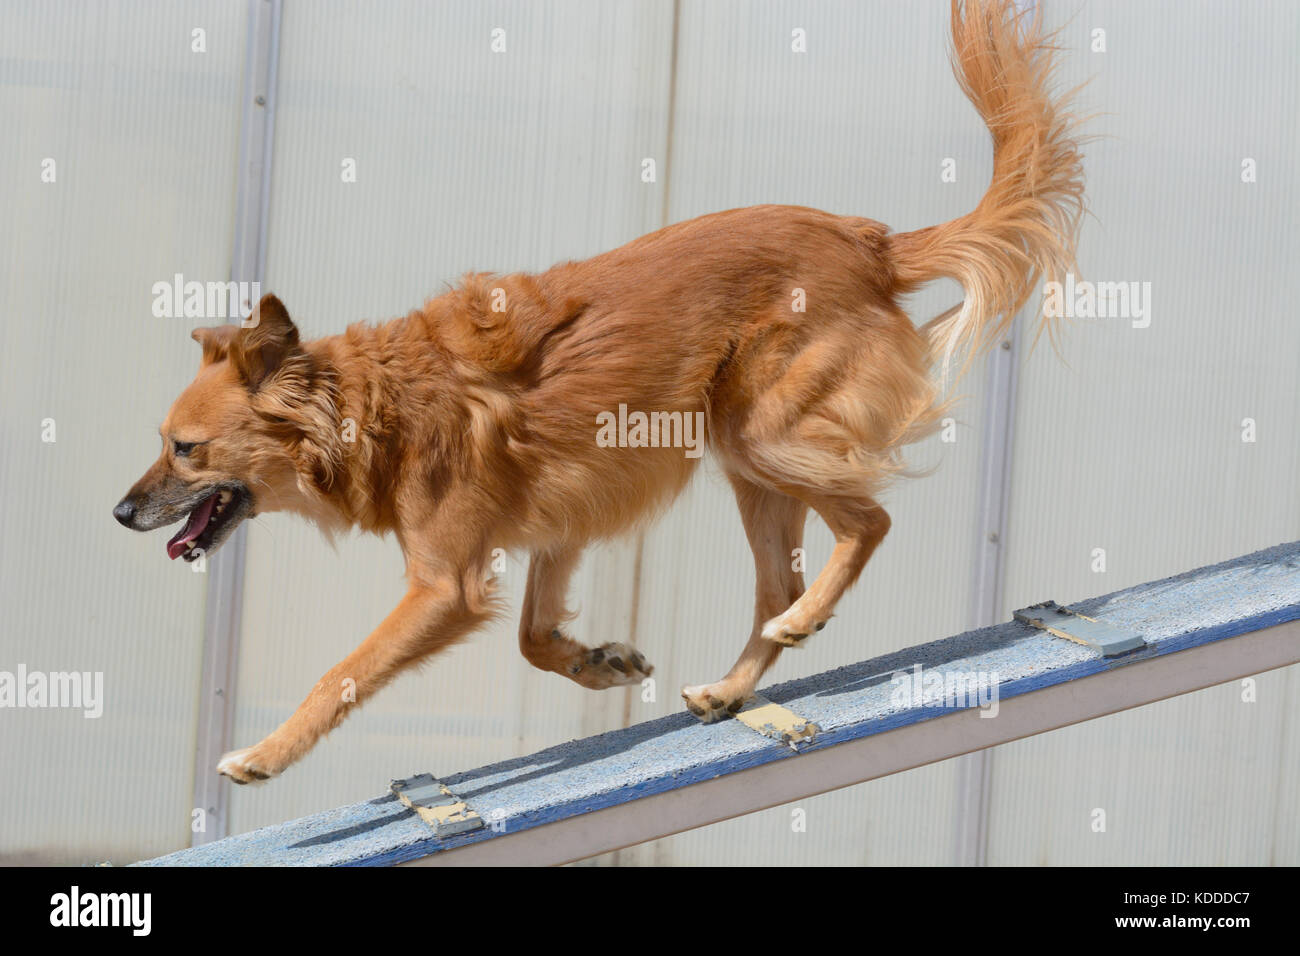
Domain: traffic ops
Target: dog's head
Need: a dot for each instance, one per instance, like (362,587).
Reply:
(229,439)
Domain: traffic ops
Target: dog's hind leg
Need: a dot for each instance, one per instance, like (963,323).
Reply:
(859,525)
(548,648)
(774,525)
(828,434)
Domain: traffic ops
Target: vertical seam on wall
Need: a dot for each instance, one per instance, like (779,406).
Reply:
(672,113)
(975,771)
(635,603)
(974,778)
(223,609)
(634,621)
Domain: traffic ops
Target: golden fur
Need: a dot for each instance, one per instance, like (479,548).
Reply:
(470,424)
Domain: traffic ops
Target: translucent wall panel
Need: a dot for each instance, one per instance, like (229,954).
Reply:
(139,133)
(1137,446)
(757,122)
(464,159)
(407,151)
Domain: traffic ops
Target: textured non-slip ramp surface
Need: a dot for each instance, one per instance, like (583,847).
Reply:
(1209,604)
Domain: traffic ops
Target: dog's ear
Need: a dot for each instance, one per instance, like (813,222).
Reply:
(215,341)
(257,351)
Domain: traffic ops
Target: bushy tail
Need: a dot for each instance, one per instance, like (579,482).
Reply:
(1023,231)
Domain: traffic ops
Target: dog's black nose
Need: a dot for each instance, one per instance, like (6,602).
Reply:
(125,512)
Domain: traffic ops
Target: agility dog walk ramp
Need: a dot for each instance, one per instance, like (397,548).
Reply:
(831,730)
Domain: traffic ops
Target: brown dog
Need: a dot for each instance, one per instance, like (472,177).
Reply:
(483,420)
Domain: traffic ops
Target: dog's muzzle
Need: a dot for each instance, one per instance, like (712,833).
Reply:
(210,516)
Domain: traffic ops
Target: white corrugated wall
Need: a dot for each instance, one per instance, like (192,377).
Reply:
(1136,448)
(469,159)
(465,159)
(755,122)
(141,131)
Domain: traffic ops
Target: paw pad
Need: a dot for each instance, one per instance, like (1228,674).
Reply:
(610,665)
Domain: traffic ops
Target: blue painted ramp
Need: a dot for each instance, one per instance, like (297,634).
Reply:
(1210,604)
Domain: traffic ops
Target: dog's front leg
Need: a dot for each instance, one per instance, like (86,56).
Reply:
(428,618)
(547,648)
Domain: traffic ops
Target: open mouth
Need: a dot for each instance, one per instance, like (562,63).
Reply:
(212,519)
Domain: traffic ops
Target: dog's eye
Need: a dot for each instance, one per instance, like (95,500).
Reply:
(182,449)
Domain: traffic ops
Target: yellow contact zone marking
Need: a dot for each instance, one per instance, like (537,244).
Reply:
(1042,624)
(449,813)
(773,720)
(452,813)
(1065,634)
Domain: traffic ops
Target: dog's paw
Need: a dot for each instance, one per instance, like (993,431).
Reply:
(610,665)
(246,766)
(789,630)
(711,702)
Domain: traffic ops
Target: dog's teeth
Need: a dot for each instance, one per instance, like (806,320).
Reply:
(223,496)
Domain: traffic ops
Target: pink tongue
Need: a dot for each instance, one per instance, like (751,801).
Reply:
(198,520)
